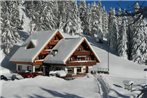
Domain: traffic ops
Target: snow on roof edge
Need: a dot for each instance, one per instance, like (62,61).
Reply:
(46,43)
(73,50)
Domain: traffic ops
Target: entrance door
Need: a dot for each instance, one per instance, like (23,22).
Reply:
(79,70)
(86,69)
(46,70)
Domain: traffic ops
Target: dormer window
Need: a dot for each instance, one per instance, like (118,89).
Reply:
(31,44)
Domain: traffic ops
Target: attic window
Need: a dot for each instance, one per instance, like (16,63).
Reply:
(31,44)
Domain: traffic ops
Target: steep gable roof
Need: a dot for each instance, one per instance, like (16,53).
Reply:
(65,48)
(39,40)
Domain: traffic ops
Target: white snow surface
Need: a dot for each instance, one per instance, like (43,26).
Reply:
(119,66)
(120,70)
(50,87)
(2,69)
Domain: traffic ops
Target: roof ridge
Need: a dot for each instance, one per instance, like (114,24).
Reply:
(75,38)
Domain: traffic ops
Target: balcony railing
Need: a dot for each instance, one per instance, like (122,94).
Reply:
(53,42)
(82,53)
(46,51)
(82,62)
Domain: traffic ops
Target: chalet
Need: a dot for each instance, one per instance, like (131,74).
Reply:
(31,54)
(74,55)
(50,51)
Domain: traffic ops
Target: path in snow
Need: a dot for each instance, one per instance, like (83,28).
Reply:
(105,89)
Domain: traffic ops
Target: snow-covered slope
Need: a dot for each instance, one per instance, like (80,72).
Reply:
(120,70)
(118,66)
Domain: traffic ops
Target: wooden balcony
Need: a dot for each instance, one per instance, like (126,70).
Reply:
(46,51)
(38,62)
(82,63)
(54,42)
(82,53)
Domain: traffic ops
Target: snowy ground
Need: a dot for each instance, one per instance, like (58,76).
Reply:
(50,87)
(120,70)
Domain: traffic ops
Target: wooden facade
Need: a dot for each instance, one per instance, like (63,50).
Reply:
(82,56)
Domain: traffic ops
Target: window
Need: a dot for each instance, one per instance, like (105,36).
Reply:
(70,70)
(80,58)
(29,68)
(87,58)
(30,45)
(78,69)
(19,68)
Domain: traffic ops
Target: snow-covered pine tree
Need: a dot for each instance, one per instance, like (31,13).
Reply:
(137,39)
(139,45)
(122,36)
(69,18)
(42,14)
(129,38)
(105,22)
(83,12)
(94,19)
(96,22)
(113,31)
(100,29)
(88,21)
(10,24)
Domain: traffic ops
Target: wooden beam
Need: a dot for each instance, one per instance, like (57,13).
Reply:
(82,53)
(38,62)
(78,63)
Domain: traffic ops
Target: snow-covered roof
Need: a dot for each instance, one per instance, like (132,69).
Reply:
(70,36)
(39,39)
(64,49)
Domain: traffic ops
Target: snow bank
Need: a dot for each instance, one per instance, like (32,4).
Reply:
(60,73)
(2,69)
(117,87)
(50,87)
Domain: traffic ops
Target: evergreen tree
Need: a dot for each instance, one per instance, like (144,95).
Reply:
(69,20)
(113,31)
(96,22)
(10,24)
(137,39)
(42,14)
(122,38)
(105,22)
(83,12)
